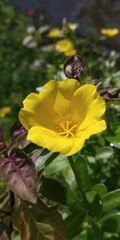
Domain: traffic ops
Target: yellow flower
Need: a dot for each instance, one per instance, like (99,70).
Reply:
(110,32)
(55,32)
(65,46)
(72,26)
(4,111)
(63,115)
(70,52)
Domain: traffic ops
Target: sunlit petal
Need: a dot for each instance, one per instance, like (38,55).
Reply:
(57,96)
(84,107)
(49,139)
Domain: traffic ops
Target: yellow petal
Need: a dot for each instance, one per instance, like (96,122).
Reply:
(49,139)
(27,115)
(42,109)
(55,143)
(35,113)
(57,95)
(31,102)
(87,106)
(40,117)
(96,127)
(81,136)
(27,119)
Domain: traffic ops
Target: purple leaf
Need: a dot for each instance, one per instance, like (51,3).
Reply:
(110,93)
(17,131)
(35,222)
(18,171)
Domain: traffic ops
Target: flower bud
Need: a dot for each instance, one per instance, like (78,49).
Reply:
(73,67)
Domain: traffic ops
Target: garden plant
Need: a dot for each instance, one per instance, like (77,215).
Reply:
(59,131)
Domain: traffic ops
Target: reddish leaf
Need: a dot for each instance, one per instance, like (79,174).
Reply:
(17,131)
(35,222)
(110,93)
(18,171)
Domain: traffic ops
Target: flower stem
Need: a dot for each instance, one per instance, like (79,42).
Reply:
(76,174)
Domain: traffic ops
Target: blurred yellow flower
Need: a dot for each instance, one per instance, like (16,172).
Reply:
(55,32)
(110,32)
(70,52)
(4,111)
(61,66)
(63,115)
(72,26)
(65,46)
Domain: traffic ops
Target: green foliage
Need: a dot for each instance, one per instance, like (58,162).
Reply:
(45,195)
(53,190)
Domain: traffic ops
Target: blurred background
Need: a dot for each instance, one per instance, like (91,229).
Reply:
(89,13)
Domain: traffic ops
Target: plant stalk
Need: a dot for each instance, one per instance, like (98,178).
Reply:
(76,174)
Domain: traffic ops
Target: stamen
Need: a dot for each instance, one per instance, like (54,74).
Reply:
(66,127)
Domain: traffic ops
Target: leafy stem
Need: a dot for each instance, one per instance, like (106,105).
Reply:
(76,174)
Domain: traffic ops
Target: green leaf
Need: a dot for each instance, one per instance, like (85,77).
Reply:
(111,222)
(114,140)
(93,203)
(81,236)
(53,189)
(100,188)
(105,152)
(93,232)
(45,158)
(111,200)
(74,223)
(15,235)
(60,164)
(18,171)
(37,221)
(82,169)
(31,147)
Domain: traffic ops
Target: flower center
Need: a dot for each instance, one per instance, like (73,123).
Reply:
(66,127)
